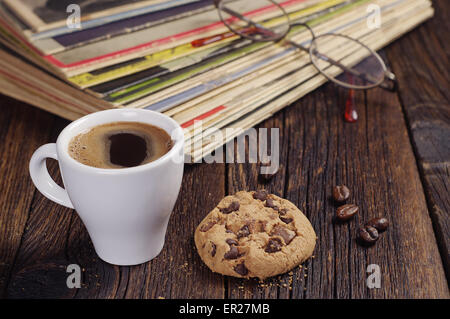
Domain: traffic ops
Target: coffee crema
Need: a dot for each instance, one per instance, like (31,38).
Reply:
(120,145)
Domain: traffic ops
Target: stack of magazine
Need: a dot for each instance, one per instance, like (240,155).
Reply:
(75,57)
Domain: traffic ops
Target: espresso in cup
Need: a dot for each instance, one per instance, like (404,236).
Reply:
(120,145)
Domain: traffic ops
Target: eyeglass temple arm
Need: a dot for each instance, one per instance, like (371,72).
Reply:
(239,16)
(393,79)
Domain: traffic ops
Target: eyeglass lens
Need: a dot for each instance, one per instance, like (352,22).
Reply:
(361,67)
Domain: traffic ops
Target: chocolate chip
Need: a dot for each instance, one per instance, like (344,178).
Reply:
(341,193)
(241,269)
(231,242)
(273,245)
(285,233)
(229,231)
(346,212)
(261,195)
(243,232)
(262,226)
(234,206)
(381,224)
(207,226)
(368,235)
(286,220)
(233,253)
(271,204)
(213,251)
(282,211)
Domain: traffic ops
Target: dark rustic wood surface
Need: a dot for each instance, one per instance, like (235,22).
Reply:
(395,159)
(424,74)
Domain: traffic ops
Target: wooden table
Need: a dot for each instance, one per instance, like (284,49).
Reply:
(395,159)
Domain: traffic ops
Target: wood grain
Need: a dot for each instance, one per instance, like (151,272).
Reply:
(39,269)
(178,271)
(373,157)
(424,77)
(54,242)
(245,176)
(22,130)
(394,159)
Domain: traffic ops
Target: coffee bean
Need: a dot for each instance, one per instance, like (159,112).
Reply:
(341,193)
(273,245)
(286,220)
(346,212)
(368,235)
(234,206)
(243,232)
(271,204)
(231,242)
(213,251)
(241,269)
(261,195)
(381,224)
(207,226)
(233,253)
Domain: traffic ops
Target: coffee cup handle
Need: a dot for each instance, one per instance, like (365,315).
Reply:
(42,179)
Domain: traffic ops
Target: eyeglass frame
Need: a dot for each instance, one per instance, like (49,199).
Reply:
(388,75)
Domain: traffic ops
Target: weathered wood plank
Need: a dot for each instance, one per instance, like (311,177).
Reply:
(22,130)
(39,270)
(100,279)
(314,125)
(374,158)
(38,238)
(245,176)
(424,76)
(55,237)
(178,271)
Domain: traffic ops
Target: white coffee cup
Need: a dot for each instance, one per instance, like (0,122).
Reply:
(126,211)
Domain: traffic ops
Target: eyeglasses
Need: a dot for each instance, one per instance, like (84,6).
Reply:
(329,52)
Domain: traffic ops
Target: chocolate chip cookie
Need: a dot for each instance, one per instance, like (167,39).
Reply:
(254,234)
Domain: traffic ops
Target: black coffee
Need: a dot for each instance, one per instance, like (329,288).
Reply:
(120,145)
(127,149)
